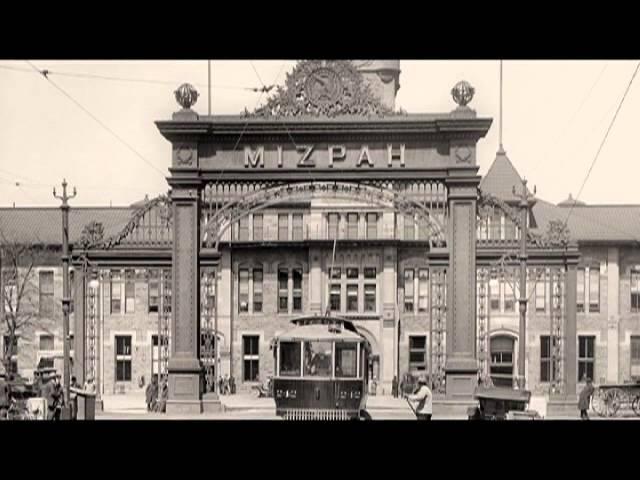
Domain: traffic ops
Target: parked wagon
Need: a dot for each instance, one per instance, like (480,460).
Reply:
(608,400)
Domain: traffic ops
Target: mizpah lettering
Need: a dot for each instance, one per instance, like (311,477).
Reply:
(332,156)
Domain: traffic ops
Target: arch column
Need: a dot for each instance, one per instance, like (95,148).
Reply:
(461,368)
(184,365)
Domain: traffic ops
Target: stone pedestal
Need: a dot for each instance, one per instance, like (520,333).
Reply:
(562,407)
(211,403)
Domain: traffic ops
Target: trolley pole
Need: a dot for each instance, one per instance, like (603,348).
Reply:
(66,300)
(522,343)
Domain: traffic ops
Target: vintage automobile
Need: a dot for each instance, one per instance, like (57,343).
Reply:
(501,403)
(321,370)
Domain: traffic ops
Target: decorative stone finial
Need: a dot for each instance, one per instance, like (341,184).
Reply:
(462,93)
(186,95)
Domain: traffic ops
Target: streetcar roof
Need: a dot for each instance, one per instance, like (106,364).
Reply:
(319,333)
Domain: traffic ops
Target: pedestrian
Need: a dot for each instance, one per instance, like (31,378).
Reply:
(394,387)
(227,389)
(55,398)
(424,399)
(151,393)
(89,386)
(220,386)
(164,396)
(5,396)
(402,386)
(232,385)
(73,397)
(585,398)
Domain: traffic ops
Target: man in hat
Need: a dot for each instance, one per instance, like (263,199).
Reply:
(89,386)
(423,398)
(585,397)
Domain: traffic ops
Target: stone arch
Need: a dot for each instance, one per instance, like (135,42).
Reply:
(231,212)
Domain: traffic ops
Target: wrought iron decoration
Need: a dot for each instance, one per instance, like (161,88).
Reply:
(462,93)
(186,95)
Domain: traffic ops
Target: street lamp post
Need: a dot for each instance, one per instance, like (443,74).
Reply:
(66,300)
(524,198)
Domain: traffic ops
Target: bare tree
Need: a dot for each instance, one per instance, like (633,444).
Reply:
(20,294)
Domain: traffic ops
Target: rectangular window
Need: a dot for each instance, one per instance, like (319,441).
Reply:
(352,298)
(594,289)
(243,228)
(317,359)
(580,290)
(251,358)
(283,290)
(257,290)
(258,234)
(116,292)
(541,292)
(333,219)
(635,357)
(290,359)
(352,226)
(46,342)
(423,290)
(635,290)
(586,357)
(297,289)
(334,297)
(494,291)
(123,358)
(283,226)
(243,290)
(370,297)
(417,353)
(372,226)
(154,290)
(409,228)
(297,226)
(130,291)
(346,355)
(46,294)
(408,290)
(547,372)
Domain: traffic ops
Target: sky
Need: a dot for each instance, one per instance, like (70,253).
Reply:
(555,115)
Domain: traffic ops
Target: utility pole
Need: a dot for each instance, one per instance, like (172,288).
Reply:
(524,198)
(66,300)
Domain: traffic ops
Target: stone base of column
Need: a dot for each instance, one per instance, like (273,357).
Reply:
(461,377)
(211,403)
(184,386)
(563,407)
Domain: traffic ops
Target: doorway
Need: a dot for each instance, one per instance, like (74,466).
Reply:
(501,367)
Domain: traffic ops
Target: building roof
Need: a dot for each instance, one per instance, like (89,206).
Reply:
(501,178)
(587,223)
(44,224)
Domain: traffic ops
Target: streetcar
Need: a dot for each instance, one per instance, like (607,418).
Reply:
(321,370)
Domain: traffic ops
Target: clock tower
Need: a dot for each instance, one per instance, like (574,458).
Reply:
(383,77)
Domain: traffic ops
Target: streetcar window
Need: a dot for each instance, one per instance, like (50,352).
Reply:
(346,360)
(317,359)
(290,359)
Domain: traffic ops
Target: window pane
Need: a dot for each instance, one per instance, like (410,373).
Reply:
(130,291)
(580,290)
(317,359)
(372,225)
(290,356)
(352,298)
(336,273)
(370,298)
(257,290)
(334,297)
(409,228)
(370,273)
(46,342)
(257,227)
(594,289)
(283,290)
(243,290)
(123,345)
(116,292)
(423,290)
(297,226)
(408,290)
(417,342)
(283,227)
(250,344)
(346,356)
(352,273)
(46,294)
(417,353)
(243,228)
(333,219)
